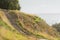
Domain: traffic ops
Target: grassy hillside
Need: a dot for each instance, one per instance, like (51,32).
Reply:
(15,25)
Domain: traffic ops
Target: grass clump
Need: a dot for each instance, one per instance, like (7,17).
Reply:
(4,25)
(37,19)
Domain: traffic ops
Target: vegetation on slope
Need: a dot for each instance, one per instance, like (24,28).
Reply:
(15,25)
(7,33)
(24,27)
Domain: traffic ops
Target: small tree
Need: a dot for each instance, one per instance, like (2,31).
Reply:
(9,4)
(57,26)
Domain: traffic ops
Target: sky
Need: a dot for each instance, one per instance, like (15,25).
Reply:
(49,10)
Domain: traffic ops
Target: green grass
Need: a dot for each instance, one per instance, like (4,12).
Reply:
(3,24)
(37,19)
(4,38)
(40,36)
(11,33)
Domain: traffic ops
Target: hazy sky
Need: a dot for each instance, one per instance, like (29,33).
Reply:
(49,10)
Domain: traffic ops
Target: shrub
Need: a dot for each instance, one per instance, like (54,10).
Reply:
(56,26)
(9,4)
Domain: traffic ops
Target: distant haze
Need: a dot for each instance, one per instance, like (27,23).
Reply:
(49,10)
